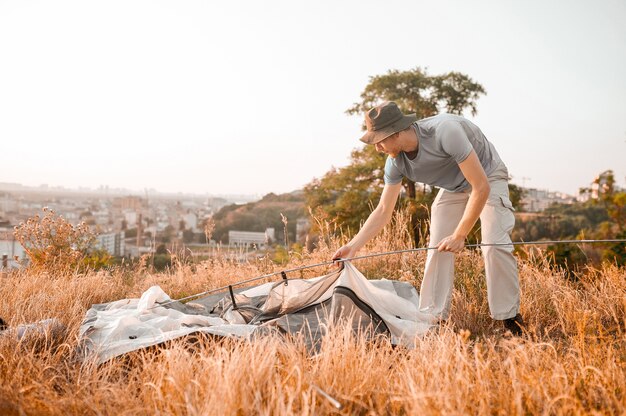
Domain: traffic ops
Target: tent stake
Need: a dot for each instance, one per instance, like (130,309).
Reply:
(232,297)
(328,397)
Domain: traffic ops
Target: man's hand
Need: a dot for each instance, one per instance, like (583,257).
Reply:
(453,243)
(344,252)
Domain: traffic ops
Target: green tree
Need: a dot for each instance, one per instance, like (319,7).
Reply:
(601,217)
(348,194)
(417,92)
(614,201)
(516,194)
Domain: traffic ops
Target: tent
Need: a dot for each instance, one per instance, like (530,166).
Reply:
(294,306)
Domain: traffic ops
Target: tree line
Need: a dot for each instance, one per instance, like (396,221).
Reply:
(601,217)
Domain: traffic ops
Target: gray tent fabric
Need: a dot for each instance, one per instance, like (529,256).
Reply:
(42,328)
(298,306)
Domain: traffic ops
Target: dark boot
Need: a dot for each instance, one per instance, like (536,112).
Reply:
(515,325)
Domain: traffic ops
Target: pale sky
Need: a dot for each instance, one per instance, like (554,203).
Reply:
(249,96)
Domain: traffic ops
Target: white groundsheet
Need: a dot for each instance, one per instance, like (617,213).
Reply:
(113,329)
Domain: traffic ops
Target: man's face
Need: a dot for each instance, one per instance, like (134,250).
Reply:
(389,146)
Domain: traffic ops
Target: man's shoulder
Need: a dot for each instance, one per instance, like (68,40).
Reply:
(393,174)
(444,123)
(396,164)
(442,118)
(390,161)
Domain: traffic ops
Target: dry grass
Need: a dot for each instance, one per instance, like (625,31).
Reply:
(572,360)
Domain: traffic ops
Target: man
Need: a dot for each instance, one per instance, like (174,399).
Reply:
(449,152)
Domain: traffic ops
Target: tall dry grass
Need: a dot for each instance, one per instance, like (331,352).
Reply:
(572,359)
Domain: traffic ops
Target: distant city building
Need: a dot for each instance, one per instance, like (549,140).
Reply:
(191,221)
(303,225)
(131,218)
(72,217)
(112,243)
(130,203)
(101,217)
(601,184)
(110,211)
(151,230)
(8,205)
(12,253)
(584,196)
(132,250)
(249,238)
(10,263)
(536,200)
(189,204)
(161,225)
(12,249)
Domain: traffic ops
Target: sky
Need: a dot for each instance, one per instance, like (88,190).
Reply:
(249,97)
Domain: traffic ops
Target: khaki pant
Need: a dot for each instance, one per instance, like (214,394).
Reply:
(496,224)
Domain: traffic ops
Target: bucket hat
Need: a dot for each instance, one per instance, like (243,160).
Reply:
(384,120)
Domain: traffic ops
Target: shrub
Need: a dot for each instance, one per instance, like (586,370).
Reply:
(54,245)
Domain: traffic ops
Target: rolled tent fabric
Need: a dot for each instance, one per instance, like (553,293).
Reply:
(45,327)
(306,306)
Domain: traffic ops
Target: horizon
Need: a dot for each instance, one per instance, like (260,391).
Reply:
(247,98)
(105,189)
(45,187)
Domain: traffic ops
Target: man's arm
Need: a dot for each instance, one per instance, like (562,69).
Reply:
(475,175)
(375,222)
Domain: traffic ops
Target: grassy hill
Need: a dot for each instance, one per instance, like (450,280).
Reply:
(260,215)
(572,359)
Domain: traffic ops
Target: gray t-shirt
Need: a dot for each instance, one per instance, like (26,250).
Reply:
(445,140)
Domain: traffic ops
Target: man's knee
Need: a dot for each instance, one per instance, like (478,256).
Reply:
(502,250)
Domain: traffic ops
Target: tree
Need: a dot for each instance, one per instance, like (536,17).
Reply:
(417,92)
(614,201)
(348,194)
(516,194)
(601,217)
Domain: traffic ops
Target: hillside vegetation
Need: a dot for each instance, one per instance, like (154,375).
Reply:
(260,215)
(572,359)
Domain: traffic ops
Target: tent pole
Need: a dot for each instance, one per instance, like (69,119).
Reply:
(386,253)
